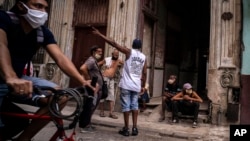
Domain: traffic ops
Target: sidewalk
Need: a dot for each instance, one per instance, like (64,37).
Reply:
(148,120)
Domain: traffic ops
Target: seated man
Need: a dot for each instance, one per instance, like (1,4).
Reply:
(143,98)
(186,102)
(171,89)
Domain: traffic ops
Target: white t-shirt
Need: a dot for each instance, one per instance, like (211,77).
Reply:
(108,61)
(132,71)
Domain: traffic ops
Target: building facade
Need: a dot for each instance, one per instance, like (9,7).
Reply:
(203,42)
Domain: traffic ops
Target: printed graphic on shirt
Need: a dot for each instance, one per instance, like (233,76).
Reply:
(136,65)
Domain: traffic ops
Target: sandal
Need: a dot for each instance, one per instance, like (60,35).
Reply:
(113,116)
(102,114)
(161,119)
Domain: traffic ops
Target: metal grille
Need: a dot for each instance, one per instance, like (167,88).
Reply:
(7,4)
(90,12)
(39,56)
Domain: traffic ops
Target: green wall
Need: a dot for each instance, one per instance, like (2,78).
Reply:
(246,38)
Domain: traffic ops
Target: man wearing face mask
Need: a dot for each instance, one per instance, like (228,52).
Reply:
(170,90)
(186,102)
(111,66)
(22,33)
(91,69)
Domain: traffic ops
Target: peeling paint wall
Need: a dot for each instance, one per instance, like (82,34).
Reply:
(122,22)
(60,23)
(224,56)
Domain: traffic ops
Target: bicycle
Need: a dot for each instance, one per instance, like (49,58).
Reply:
(14,115)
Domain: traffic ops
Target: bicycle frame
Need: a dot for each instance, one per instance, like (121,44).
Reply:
(60,132)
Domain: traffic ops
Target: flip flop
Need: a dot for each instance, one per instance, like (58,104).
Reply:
(161,119)
(102,115)
(113,116)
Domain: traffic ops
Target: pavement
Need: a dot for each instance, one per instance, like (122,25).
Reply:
(148,123)
(148,120)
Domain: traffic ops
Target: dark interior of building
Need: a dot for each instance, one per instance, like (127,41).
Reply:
(188,39)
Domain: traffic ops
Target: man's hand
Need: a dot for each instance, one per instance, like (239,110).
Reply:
(94,88)
(142,91)
(187,97)
(95,31)
(167,94)
(20,86)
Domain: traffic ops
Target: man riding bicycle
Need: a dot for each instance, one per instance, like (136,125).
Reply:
(20,29)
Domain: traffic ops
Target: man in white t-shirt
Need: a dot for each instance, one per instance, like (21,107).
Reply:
(132,80)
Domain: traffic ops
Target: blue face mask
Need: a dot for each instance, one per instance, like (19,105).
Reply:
(35,18)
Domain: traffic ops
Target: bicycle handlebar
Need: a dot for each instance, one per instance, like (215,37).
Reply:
(77,93)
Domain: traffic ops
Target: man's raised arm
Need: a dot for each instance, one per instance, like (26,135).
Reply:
(122,49)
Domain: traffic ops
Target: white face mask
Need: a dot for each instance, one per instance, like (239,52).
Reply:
(189,91)
(97,56)
(171,81)
(35,18)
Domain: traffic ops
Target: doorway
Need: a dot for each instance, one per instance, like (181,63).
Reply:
(187,42)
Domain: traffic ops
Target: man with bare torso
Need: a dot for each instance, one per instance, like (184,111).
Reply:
(111,65)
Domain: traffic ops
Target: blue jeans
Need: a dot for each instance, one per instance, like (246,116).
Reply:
(3,92)
(129,100)
(30,101)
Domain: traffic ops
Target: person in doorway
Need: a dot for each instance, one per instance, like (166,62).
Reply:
(91,69)
(111,65)
(19,42)
(186,102)
(171,89)
(132,80)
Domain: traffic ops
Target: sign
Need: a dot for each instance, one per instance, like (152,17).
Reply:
(239,132)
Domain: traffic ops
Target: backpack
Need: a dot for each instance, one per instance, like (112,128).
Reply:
(39,31)
(15,20)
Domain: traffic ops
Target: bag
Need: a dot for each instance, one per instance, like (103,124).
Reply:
(39,30)
(104,90)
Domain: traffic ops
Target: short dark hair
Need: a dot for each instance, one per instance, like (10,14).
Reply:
(136,44)
(94,48)
(22,1)
(16,10)
(27,1)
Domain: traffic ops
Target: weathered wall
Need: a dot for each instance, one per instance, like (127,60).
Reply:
(60,23)
(224,61)
(122,22)
(160,43)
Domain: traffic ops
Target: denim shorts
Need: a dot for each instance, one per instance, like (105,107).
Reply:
(3,92)
(129,100)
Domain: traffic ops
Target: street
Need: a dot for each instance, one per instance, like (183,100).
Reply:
(149,129)
(104,133)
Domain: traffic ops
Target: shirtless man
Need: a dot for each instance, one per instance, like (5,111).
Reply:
(111,65)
